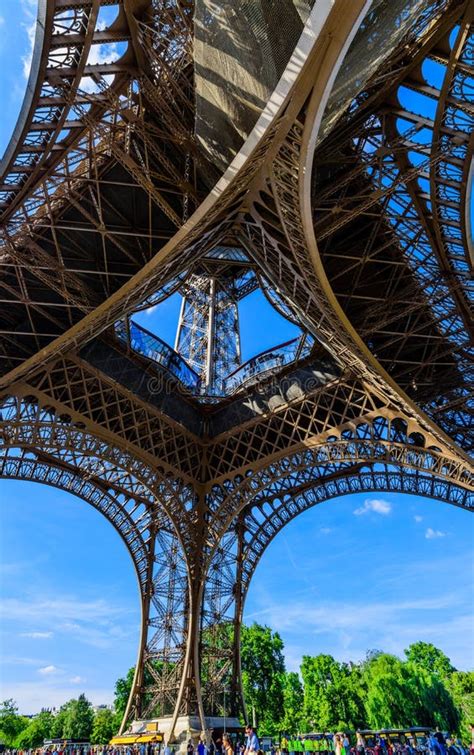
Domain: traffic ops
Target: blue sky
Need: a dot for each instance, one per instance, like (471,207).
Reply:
(352,574)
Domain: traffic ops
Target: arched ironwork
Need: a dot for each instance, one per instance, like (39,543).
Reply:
(36,445)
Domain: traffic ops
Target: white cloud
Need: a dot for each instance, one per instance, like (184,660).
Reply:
(59,609)
(377,505)
(48,670)
(28,8)
(431,534)
(99,54)
(418,518)
(14,660)
(346,629)
(325,530)
(98,623)
(77,680)
(2,20)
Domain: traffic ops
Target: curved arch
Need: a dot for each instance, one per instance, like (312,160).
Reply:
(259,531)
(217,212)
(135,534)
(378,440)
(20,464)
(39,445)
(293,260)
(43,30)
(378,453)
(451,161)
(26,422)
(262,521)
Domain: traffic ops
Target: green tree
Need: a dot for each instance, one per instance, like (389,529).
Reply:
(103,727)
(78,719)
(123,688)
(293,699)
(461,686)
(11,724)
(263,669)
(332,693)
(438,707)
(57,727)
(401,693)
(392,699)
(427,656)
(38,729)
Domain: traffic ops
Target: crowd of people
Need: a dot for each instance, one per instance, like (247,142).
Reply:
(373,744)
(338,743)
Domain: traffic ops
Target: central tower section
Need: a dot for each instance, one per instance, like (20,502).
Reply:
(208,333)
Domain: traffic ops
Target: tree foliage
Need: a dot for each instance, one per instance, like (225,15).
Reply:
(332,695)
(400,691)
(103,727)
(461,686)
(79,719)
(263,669)
(11,724)
(431,659)
(293,700)
(38,729)
(123,688)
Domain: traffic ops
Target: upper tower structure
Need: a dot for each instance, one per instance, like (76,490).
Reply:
(208,334)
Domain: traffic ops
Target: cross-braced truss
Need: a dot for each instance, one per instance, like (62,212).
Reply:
(348,203)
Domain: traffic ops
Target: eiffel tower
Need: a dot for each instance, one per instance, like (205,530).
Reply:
(321,152)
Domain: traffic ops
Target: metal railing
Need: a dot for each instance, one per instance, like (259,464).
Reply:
(271,360)
(150,346)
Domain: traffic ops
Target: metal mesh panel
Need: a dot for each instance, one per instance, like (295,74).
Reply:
(386,25)
(243,46)
(241,50)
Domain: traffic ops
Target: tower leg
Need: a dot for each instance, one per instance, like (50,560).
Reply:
(188,673)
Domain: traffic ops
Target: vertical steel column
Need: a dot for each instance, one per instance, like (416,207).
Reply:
(210,356)
(208,330)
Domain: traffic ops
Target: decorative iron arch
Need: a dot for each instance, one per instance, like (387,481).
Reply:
(20,464)
(382,441)
(264,520)
(38,445)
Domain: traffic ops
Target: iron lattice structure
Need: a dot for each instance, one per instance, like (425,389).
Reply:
(349,209)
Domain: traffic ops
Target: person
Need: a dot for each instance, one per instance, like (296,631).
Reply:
(441,742)
(337,744)
(346,744)
(251,746)
(452,750)
(190,747)
(227,745)
(201,748)
(360,743)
